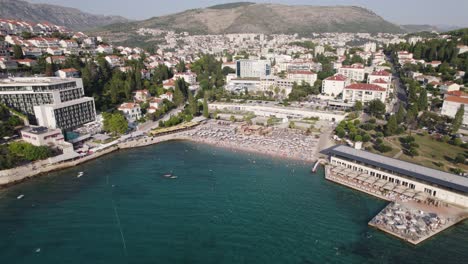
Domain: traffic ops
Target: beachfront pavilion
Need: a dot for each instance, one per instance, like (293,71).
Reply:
(436,184)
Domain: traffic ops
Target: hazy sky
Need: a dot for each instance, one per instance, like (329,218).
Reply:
(435,12)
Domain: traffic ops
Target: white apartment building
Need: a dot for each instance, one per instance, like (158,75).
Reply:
(253,68)
(452,104)
(370,47)
(189,77)
(384,75)
(354,72)
(300,76)
(132,111)
(364,92)
(334,85)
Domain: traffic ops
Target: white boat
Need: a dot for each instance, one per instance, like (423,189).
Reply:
(20,197)
(80,174)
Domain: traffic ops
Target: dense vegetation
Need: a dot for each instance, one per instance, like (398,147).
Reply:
(16,153)
(8,122)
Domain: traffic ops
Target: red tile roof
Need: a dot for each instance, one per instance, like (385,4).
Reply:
(338,77)
(69,70)
(127,106)
(381,73)
(380,81)
(456,99)
(366,87)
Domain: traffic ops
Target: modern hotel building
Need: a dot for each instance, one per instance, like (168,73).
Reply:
(53,102)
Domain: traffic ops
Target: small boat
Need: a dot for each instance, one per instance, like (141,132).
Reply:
(173,177)
(80,174)
(168,175)
(38,250)
(20,197)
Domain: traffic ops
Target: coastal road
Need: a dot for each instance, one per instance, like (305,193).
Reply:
(399,89)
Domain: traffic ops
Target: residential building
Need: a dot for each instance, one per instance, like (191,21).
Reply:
(168,96)
(300,76)
(370,47)
(114,61)
(334,85)
(68,73)
(142,95)
(384,75)
(354,72)
(449,87)
(106,49)
(132,111)
(451,105)
(364,92)
(189,77)
(253,68)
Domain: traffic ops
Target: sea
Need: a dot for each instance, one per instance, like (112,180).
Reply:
(222,207)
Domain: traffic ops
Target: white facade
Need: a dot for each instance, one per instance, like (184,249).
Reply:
(253,68)
(189,77)
(300,76)
(353,72)
(406,181)
(66,115)
(364,92)
(131,111)
(451,106)
(334,85)
(384,75)
(42,136)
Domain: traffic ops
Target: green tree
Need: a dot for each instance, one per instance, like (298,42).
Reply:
(458,120)
(400,114)
(17,52)
(422,100)
(192,105)
(460,158)
(376,108)
(115,123)
(178,97)
(358,106)
(391,127)
(206,112)
(180,67)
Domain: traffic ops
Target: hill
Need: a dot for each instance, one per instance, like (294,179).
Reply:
(58,15)
(246,17)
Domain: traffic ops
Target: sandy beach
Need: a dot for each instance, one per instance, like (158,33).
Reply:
(282,143)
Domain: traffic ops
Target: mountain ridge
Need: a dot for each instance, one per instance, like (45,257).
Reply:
(64,16)
(247,17)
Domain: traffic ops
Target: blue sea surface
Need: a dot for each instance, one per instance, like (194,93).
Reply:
(224,207)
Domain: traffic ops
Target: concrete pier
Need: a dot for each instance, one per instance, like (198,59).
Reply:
(407,218)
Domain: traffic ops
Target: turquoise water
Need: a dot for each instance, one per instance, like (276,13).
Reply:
(224,207)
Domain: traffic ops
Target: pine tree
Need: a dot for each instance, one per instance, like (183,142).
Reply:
(206,113)
(391,127)
(178,97)
(458,120)
(422,100)
(400,115)
(193,105)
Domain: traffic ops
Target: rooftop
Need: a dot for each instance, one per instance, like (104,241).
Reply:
(419,172)
(34,81)
(366,87)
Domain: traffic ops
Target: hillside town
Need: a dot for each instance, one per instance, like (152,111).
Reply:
(384,113)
